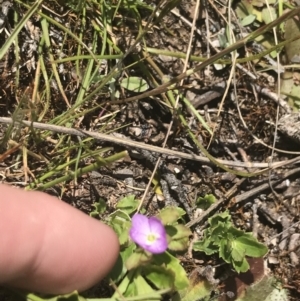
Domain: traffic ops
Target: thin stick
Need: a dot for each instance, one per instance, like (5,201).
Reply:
(127,142)
(175,106)
(240,198)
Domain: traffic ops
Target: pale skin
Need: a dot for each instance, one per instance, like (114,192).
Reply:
(48,246)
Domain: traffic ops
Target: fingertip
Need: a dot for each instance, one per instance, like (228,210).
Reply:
(110,252)
(65,249)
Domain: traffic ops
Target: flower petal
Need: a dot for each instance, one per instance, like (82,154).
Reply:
(140,222)
(160,245)
(140,229)
(143,227)
(156,226)
(139,238)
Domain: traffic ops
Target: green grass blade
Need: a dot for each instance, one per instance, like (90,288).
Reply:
(18,28)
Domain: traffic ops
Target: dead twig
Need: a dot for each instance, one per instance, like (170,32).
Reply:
(113,138)
(242,197)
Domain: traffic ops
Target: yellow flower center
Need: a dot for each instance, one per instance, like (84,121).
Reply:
(151,238)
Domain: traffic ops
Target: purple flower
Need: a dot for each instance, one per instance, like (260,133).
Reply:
(149,233)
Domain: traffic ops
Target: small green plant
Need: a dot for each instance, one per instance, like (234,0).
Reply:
(206,201)
(233,245)
(147,265)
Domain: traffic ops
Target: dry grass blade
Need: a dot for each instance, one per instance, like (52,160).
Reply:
(176,104)
(133,144)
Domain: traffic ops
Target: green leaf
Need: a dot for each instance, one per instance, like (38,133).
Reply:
(232,244)
(205,246)
(142,286)
(178,237)
(225,250)
(120,222)
(134,84)
(288,87)
(223,43)
(234,233)
(196,291)
(219,231)
(159,276)
(119,270)
(99,77)
(266,289)
(74,296)
(252,247)
(266,17)
(258,3)
(243,9)
(137,288)
(170,215)
(240,266)
(292,49)
(205,202)
(173,264)
(278,294)
(248,20)
(71,297)
(237,252)
(138,258)
(126,286)
(128,204)
(131,290)
(223,217)
(100,207)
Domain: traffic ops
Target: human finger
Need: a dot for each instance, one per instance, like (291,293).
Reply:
(49,246)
